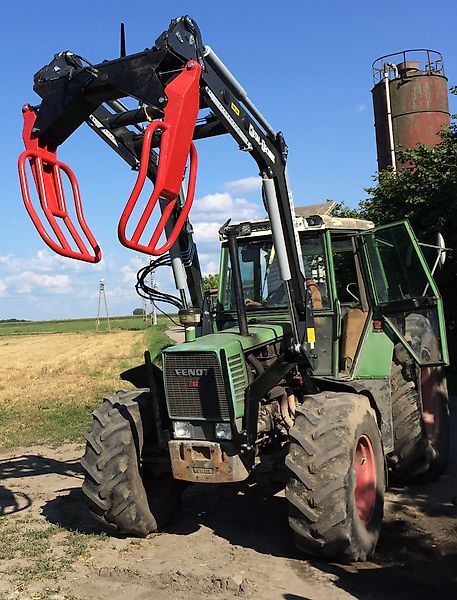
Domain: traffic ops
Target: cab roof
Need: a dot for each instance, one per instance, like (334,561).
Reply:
(312,217)
(328,221)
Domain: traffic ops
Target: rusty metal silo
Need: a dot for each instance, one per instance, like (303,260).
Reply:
(410,100)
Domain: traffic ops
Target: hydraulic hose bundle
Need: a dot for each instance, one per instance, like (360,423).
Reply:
(148,291)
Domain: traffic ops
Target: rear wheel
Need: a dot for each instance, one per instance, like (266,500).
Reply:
(336,491)
(420,415)
(436,416)
(120,494)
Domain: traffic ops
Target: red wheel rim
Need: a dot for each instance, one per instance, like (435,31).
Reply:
(431,402)
(365,472)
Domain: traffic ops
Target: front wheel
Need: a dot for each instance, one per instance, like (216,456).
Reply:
(336,488)
(124,495)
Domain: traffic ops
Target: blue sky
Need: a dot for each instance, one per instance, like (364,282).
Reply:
(306,65)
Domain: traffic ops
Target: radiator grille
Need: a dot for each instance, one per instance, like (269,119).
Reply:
(208,400)
(238,373)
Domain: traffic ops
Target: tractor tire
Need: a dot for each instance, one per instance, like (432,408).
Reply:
(420,416)
(336,488)
(436,416)
(119,496)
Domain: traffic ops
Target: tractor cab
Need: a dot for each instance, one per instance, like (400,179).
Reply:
(364,283)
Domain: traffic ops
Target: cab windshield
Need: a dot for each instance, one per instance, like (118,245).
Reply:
(262,285)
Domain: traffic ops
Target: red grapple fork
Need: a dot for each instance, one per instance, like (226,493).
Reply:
(46,171)
(175,146)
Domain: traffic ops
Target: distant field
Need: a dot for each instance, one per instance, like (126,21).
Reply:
(50,381)
(29,327)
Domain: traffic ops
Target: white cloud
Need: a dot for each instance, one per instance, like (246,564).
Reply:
(204,256)
(119,294)
(360,108)
(245,185)
(211,266)
(209,262)
(128,275)
(39,285)
(130,269)
(213,210)
(221,206)
(206,232)
(26,281)
(45,261)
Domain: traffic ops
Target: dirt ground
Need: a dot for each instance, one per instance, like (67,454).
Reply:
(226,542)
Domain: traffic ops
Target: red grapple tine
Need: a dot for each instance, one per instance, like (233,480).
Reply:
(176,144)
(160,227)
(44,188)
(59,193)
(47,175)
(180,221)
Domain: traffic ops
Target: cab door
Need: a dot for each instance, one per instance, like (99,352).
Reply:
(403,291)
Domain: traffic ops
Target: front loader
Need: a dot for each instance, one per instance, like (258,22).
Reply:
(320,364)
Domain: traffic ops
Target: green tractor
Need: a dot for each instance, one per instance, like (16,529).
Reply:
(375,404)
(319,367)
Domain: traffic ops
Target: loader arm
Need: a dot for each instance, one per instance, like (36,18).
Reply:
(172,82)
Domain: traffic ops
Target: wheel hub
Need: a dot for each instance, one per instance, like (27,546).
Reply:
(365,471)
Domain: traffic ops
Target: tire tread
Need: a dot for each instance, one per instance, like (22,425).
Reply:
(320,456)
(113,484)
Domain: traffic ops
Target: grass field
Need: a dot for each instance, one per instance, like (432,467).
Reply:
(50,382)
(129,323)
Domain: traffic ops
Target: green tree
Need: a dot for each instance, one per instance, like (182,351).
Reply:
(211,282)
(343,211)
(426,194)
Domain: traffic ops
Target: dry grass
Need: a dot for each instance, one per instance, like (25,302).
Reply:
(48,367)
(49,383)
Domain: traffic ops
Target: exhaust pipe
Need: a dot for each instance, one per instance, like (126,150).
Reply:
(237,281)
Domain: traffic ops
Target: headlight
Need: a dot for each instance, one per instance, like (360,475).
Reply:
(223,431)
(183,429)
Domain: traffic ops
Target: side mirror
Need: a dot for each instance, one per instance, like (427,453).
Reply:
(442,250)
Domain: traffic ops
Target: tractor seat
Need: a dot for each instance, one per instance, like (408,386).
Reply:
(351,332)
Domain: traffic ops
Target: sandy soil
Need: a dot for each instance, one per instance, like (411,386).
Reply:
(233,542)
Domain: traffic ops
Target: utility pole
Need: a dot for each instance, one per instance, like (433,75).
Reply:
(101,292)
(152,283)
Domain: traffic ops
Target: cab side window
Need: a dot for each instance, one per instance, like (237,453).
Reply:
(315,269)
(347,286)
